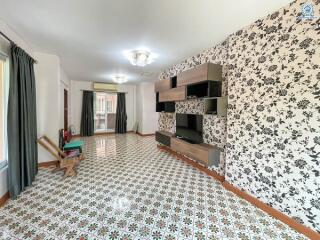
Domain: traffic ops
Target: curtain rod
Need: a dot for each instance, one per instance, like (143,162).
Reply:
(12,42)
(102,91)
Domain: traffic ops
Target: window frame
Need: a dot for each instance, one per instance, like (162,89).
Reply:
(101,106)
(4,95)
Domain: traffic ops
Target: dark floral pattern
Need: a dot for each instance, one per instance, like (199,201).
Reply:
(128,189)
(272,79)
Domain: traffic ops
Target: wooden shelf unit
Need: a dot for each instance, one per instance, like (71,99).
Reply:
(172,95)
(216,106)
(164,137)
(162,85)
(206,154)
(204,72)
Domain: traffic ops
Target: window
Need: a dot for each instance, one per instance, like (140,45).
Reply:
(105,105)
(3,109)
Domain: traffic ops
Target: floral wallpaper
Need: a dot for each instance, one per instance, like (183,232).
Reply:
(273,149)
(214,128)
(272,130)
(167,122)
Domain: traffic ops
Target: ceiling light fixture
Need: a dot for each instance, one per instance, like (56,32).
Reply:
(119,79)
(139,57)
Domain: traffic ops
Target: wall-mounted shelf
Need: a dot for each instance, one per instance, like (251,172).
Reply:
(162,85)
(204,89)
(216,106)
(174,94)
(204,153)
(173,82)
(203,81)
(204,72)
(164,106)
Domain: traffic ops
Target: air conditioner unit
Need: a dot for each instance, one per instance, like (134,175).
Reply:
(108,87)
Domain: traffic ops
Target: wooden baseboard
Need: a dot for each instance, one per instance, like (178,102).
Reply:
(99,134)
(48,164)
(145,135)
(4,199)
(308,232)
(211,173)
(273,212)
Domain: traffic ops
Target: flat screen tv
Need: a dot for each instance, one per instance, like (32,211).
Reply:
(189,127)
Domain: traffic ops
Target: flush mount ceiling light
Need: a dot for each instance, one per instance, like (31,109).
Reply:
(139,57)
(119,79)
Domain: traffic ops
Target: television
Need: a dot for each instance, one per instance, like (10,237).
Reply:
(189,127)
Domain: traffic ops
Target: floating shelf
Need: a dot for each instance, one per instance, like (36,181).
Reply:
(216,106)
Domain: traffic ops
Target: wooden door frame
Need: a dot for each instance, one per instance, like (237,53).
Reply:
(65,109)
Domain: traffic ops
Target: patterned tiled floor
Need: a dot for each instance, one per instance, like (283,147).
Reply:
(128,189)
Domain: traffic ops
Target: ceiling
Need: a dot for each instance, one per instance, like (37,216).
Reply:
(91,36)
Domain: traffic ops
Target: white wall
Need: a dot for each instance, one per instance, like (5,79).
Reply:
(65,83)
(130,103)
(4,47)
(47,72)
(4,44)
(139,107)
(147,117)
(76,102)
(51,80)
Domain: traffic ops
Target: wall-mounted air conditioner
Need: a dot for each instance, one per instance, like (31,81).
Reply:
(107,87)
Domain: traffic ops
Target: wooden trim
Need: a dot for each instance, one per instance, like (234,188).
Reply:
(308,232)
(273,212)
(145,135)
(48,164)
(211,173)
(103,133)
(99,134)
(4,199)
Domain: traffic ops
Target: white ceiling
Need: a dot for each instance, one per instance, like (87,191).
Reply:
(90,36)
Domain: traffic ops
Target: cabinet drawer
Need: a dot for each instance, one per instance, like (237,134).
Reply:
(194,151)
(163,138)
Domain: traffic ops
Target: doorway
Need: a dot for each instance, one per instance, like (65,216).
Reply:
(105,106)
(65,109)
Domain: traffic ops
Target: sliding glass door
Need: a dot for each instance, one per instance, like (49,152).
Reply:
(105,105)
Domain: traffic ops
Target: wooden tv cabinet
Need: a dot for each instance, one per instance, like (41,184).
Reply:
(203,153)
(206,154)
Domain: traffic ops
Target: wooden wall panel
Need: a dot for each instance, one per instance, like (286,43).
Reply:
(162,85)
(174,94)
(204,72)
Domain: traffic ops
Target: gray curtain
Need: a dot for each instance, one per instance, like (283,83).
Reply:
(87,120)
(121,115)
(22,122)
